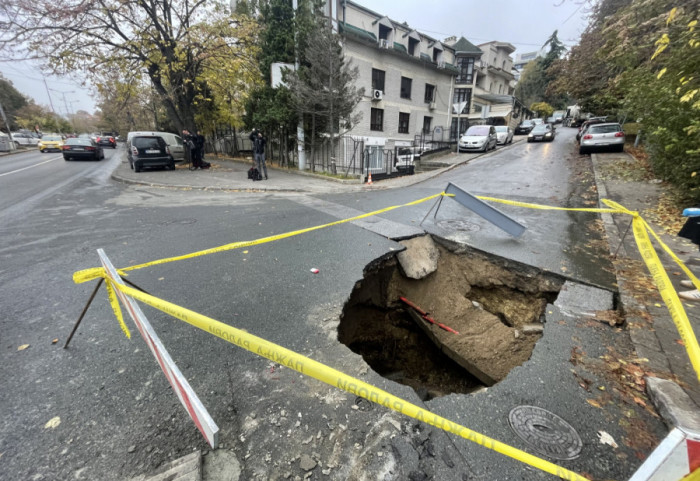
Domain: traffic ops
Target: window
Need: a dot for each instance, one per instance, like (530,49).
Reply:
(412,43)
(437,55)
(378,79)
(385,32)
(427,121)
(403,123)
(463,95)
(377,120)
(406,87)
(466,70)
(462,124)
(429,93)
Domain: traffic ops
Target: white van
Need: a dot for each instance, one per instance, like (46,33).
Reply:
(177,148)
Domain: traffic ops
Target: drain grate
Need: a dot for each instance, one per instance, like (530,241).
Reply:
(546,432)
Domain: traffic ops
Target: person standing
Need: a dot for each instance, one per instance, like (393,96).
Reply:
(191,150)
(259,151)
(199,142)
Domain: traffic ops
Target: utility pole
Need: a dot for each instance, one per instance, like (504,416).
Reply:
(300,127)
(7,125)
(49,94)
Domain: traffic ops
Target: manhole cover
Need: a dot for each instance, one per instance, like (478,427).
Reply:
(458,224)
(546,432)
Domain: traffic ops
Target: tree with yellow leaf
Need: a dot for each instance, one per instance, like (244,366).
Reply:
(193,53)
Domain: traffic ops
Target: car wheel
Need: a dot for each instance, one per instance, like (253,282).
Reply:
(582,151)
(16,145)
(621,148)
(66,158)
(137,168)
(171,165)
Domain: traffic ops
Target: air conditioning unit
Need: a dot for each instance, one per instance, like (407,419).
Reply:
(431,106)
(377,94)
(441,64)
(383,43)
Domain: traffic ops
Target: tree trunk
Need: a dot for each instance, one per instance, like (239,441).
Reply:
(313,142)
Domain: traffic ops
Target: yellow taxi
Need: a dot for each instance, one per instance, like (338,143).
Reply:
(50,142)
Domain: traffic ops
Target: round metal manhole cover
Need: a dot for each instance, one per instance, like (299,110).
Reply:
(459,224)
(546,432)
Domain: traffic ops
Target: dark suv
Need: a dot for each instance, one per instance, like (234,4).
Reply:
(149,151)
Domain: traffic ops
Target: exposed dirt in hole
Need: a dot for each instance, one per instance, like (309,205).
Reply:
(496,306)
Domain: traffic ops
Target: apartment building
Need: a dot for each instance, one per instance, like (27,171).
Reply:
(408,78)
(467,58)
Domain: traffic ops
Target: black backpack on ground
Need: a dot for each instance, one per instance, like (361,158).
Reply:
(253,174)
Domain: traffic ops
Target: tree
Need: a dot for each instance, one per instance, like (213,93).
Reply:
(172,43)
(325,86)
(542,109)
(12,101)
(534,84)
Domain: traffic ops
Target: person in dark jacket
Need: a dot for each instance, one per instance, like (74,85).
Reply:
(690,231)
(199,142)
(191,150)
(256,137)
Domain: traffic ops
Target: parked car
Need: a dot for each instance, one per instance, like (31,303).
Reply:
(404,160)
(175,143)
(504,134)
(20,138)
(542,132)
(525,127)
(478,137)
(607,136)
(558,116)
(80,148)
(108,140)
(591,121)
(146,151)
(538,121)
(50,142)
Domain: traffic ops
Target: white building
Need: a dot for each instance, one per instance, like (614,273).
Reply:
(408,79)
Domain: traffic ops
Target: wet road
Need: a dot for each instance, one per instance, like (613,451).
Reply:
(118,415)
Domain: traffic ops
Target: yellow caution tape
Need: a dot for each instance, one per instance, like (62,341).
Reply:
(96,272)
(335,378)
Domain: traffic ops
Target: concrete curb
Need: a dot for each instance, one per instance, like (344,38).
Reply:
(672,403)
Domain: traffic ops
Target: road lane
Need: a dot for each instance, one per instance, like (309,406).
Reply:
(29,177)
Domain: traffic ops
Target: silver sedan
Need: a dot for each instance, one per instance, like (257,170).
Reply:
(505,134)
(608,136)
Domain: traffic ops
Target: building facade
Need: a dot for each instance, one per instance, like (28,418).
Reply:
(408,79)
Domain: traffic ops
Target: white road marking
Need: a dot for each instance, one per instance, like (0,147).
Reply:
(29,167)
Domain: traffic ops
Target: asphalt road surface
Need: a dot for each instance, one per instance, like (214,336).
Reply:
(102,409)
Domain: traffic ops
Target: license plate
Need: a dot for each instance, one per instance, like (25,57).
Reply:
(151,151)
(78,148)
(538,138)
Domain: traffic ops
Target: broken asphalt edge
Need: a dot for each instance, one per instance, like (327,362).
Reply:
(672,403)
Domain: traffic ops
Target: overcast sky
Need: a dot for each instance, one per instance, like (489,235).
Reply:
(524,23)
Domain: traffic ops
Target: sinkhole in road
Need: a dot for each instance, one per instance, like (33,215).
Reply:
(496,305)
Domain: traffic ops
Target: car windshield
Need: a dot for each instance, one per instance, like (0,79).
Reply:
(478,130)
(78,141)
(527,123)
(604,129)
(540,129)
(147,142)
(51,138)
(502,129)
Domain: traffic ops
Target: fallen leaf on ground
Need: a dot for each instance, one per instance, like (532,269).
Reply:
(53,423)
(161,278)
(605,438)
(594,403)
(23,347)
(680,341)
(54,341)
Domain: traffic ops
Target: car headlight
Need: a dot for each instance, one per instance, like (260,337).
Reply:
(548,134)
(529,135)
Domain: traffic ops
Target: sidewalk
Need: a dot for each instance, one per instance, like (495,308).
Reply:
(227,174)
(651,328)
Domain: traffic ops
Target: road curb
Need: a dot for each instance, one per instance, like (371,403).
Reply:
(673,404)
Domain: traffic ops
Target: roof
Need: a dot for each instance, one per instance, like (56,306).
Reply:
(465,46)
(358,32)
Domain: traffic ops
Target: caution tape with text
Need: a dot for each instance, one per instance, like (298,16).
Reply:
(337,379)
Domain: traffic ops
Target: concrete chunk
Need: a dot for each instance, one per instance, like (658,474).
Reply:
(580,300)
(420,258)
